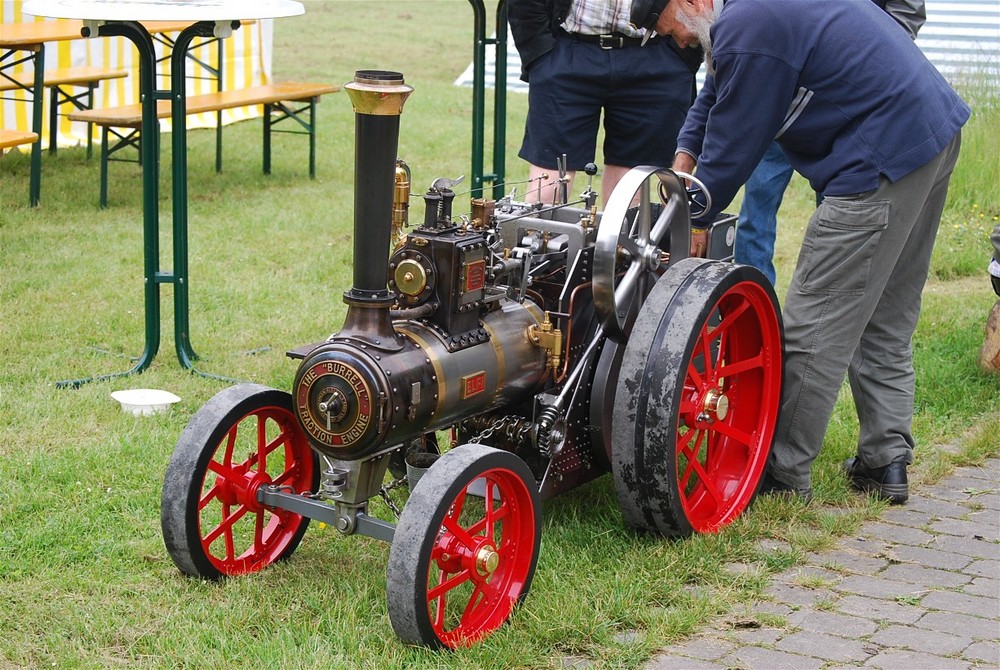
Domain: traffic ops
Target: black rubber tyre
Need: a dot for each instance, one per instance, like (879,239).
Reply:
(697,398)
(459,564)
(212,524)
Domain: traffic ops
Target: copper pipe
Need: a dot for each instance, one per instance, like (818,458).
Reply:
(569,332)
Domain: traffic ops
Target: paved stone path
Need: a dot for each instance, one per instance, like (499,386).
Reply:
(917,588)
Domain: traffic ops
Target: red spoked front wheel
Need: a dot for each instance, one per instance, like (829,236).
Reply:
(465,550)
(697,398)
(243,438)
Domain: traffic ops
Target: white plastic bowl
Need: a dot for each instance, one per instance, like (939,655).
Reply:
(143,402)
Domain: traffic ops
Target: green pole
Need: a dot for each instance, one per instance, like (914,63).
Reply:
(478,93)
(37,100)
(178,116)
(500,103)
(139,36)
(479,178)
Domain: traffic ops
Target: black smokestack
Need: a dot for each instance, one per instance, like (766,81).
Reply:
(378,98)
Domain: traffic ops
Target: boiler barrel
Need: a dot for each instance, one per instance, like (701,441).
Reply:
(354,401)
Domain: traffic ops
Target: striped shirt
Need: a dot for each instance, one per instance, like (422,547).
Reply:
(600,17)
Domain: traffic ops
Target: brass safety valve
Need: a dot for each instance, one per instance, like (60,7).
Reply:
(547,337)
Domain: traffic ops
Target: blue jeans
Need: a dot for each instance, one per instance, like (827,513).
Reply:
(758,222)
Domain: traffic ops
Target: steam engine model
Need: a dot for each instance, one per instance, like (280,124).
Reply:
(551,344)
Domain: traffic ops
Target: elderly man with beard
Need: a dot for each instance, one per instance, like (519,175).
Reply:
(765,189)
(876,130)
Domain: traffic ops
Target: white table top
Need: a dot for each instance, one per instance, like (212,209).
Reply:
(163,10)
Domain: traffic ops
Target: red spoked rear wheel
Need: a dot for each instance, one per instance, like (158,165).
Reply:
(243,438)
(697,399)
(465,549)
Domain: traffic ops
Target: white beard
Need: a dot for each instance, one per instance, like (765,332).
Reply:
(701,26)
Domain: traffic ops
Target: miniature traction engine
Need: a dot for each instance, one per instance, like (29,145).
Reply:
(552,344)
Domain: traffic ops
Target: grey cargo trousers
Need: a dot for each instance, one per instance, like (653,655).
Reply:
(852,307)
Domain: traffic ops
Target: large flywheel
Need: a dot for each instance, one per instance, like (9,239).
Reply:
(647,215)
(697,398)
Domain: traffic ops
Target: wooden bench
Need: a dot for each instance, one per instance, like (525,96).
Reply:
(59,81)
(13,138)
(279,102)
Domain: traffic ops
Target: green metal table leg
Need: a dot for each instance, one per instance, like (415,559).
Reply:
(104,166)
(266,124)
(312,138)
(178,115)
(219,86)
(37,102)
(182,326)
(53,118)
(90,126)
(137,34)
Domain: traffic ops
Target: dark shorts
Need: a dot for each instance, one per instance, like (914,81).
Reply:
(644,93)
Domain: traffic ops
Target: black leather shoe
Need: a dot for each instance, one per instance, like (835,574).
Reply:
(888,483)
(769,486)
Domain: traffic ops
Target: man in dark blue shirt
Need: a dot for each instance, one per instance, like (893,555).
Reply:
(764,190)
(862,114)
(588,66)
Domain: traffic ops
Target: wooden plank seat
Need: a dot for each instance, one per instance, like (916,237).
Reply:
(60,83)
(12,138)
(279,101)
(79,75)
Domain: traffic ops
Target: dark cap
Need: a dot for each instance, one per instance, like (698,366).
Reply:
(645,12)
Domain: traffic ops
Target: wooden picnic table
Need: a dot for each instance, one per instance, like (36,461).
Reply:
(29,33)
(24,42)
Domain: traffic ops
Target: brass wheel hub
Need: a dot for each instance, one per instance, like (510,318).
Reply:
(487,561)
(716,405)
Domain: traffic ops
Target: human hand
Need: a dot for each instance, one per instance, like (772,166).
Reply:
(683,162)
(699,242)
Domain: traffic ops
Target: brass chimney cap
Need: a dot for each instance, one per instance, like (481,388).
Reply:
(378,92)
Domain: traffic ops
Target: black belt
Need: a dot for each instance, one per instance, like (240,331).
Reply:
(609,41)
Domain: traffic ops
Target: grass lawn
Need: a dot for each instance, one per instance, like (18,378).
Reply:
(86,580)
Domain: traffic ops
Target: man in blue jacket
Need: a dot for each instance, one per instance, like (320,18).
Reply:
(765,189)
(862,114)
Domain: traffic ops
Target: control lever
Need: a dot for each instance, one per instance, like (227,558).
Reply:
(562,193)
(445,184)
(590,196)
